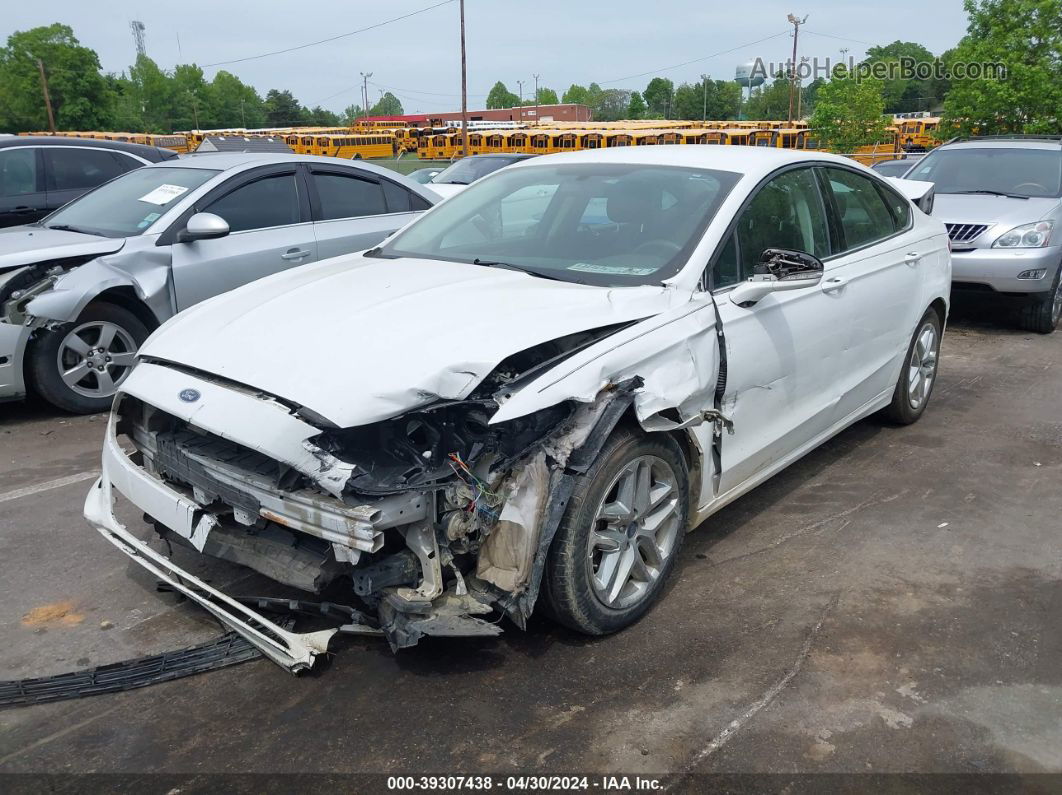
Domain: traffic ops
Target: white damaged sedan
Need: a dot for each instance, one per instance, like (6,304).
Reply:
(531,393)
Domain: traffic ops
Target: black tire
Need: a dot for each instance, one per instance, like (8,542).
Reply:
(1041,314)
(42,359)
(904,409)
(569,595)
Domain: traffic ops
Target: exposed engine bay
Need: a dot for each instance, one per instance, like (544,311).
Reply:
(437,520)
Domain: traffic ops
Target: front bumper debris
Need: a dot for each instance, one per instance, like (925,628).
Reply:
(293,651)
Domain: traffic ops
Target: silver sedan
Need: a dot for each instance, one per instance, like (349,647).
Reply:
(82,289)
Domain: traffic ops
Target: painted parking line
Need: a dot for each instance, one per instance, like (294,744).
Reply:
(48,485)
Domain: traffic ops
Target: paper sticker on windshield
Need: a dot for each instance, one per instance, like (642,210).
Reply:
(164,194)
(622,270)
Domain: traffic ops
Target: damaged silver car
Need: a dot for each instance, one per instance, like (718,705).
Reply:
(530,394)
(82,289)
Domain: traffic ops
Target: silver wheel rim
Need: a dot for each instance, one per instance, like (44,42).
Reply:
(634,532)
(95,357)
(1056,304)
(922,366)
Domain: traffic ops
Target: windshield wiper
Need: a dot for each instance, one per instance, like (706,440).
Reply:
(486,263)
(453,182)
(69,228)
(991,193)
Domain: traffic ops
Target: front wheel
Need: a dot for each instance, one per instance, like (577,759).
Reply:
(620,535)
(1042,313)
(79,366)
(919,373)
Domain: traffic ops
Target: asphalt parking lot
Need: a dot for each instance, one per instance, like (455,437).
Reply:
(890,603)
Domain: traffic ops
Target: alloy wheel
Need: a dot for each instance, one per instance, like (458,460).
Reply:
(95,357)
(922,366)
(634,532)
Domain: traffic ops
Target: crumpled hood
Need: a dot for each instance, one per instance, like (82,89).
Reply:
(26,245)
(961,208)
(359,340)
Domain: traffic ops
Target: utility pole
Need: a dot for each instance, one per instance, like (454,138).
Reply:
(365,91)
(47,99)
(796,23)
(243,115)
(520,85)
(536,99)
(704,110)
(464,88)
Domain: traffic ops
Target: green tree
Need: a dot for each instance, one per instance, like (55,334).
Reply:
(576,95)
(712,99)
(636,107)
(154,91)
(657,96)
(547,96)
(193,101)
(1026,36)
(234,103)
(352,112)
(906,94)
(501,97)
(387,106)
(81,97)
(849,113)
(771,101)
(612,104)
(283,110)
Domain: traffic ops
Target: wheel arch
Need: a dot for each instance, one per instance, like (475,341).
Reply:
(127,299)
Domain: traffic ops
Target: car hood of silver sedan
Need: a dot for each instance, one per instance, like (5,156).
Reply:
(26,245)
(358,340)
(964,208)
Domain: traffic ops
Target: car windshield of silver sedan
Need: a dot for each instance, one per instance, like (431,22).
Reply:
(593,223)
(1020,173)
(128,205)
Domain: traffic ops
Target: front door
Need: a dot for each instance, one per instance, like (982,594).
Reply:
(269,231)
(784,353)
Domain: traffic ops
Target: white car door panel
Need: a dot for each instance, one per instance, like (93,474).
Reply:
(785,352)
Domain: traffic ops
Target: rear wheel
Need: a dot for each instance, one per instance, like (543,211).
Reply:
(78,367)
(1041,314)
(620,536)
(919,373)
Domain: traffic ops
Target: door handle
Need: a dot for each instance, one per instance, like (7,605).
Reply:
(22,210)
(833,284)
(295,254)
(912,257)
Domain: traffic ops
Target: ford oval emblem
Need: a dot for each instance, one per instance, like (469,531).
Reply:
(189,395)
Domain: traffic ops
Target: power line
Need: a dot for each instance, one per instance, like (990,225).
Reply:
(331,38)
(695,60)
(840,38)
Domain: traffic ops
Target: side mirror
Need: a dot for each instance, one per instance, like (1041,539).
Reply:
(203,226)
(779,269)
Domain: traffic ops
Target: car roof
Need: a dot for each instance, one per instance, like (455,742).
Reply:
(226,161)
(751,160)
(152,153)
(1005,143)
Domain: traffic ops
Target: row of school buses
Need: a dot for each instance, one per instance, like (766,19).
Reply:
(376,139)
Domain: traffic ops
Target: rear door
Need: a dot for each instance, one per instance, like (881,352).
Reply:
(22,193)
(354,210)
(71,171)
(876,277)
(269,231)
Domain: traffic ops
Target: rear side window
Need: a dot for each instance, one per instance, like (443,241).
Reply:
(348,197)
(80,169)
(898,206)
(267,202)
(397,197)
(863,214)
(18,171)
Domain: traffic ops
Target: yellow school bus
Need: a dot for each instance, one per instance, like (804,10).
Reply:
(670,137)
(541,144)
(565,142)
(441,146)
(619,139)
(695,137)
(916,135)
(178,143)
(591,140)
(355,147)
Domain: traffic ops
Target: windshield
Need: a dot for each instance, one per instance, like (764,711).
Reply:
(467,171)
(128,205)
(606,224)
(1027,173)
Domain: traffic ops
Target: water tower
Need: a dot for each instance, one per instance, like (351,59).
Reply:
(747,76)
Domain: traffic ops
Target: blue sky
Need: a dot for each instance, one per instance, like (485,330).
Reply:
(611,43)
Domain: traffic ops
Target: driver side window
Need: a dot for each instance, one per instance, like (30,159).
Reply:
(786,213)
